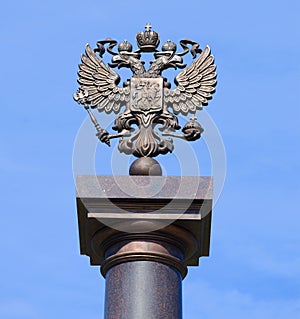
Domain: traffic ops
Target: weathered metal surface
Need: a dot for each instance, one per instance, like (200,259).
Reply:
(147,96)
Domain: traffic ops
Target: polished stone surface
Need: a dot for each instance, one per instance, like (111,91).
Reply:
(144,231)
(170,187)
(136,204)
(143,289)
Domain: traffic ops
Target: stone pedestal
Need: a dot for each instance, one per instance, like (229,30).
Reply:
(144,231)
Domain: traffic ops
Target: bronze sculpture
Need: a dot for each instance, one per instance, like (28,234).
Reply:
(147,96)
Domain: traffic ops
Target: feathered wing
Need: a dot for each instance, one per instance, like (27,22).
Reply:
(196,85)
(100,84)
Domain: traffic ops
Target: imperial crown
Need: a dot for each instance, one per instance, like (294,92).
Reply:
(125,46)
(147,40)
(169,46)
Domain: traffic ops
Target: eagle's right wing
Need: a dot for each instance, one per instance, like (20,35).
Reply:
(99,84)
(196,84)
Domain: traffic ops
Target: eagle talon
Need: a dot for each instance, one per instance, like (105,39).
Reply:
(103,136)
(192,130)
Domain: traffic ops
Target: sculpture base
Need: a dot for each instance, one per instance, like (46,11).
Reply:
(146,166)
(144,231)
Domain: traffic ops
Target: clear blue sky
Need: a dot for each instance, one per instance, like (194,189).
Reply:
(253,271)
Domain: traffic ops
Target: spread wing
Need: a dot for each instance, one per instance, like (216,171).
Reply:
(100,84)
(196,85)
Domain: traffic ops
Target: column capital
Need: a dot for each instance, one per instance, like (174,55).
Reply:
(148,212)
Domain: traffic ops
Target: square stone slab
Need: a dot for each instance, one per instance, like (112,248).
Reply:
(142,204)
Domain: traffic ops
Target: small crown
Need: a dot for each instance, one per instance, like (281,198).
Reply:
(169,46)
(147,40)
(125,46)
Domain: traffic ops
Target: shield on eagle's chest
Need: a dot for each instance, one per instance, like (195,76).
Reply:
(146,95)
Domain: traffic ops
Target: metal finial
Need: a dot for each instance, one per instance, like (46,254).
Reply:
(148,26)
(147,96)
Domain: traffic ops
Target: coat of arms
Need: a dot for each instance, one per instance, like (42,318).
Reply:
(150,103)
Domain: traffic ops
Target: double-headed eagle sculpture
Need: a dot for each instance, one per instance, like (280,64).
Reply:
(150,104)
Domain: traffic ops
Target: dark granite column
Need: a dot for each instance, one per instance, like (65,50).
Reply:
(143,289)
(143,275)
(144,243)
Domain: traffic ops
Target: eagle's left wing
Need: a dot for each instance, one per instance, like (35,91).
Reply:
(195,85)
(99,84)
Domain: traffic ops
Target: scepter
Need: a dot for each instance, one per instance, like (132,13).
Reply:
(81,98)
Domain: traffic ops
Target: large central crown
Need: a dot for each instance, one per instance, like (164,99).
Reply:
(147,40)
